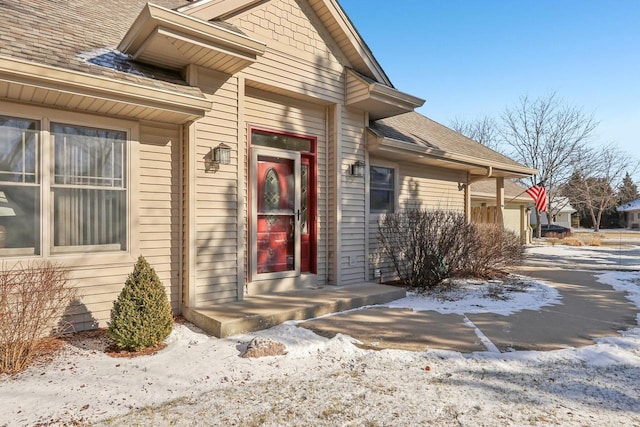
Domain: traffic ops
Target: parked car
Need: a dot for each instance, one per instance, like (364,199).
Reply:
(554,230)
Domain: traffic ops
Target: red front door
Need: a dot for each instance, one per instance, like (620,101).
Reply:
(277,215)
(283,206)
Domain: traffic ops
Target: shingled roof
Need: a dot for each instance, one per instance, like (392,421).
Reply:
(81,35)
(417,129)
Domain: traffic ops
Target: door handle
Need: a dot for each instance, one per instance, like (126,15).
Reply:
(298,214)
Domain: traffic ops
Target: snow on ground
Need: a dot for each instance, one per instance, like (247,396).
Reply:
(201,380)
(597,257)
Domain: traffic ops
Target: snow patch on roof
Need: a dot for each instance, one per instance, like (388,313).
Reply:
(631,206)
(109,57)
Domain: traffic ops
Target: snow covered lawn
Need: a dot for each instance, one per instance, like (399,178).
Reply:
(200,380)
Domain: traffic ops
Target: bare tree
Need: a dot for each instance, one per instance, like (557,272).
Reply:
(547,134)
(483,130)
(598,172)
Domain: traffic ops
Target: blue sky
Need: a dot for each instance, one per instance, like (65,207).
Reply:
(473,58)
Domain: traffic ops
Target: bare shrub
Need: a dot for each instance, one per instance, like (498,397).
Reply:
(33,299)
(494,249)
(425,246)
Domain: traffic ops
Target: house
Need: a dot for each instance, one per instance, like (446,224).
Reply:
(517,207)
(562,216)
(631,211)
(241,146)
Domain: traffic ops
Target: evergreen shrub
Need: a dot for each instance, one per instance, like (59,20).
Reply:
(141,316)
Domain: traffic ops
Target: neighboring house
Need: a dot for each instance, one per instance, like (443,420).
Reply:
(517,206)
(562,217)
(242,147)
(631,213)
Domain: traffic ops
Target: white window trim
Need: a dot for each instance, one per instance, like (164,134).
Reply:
(396,185)
(81,259)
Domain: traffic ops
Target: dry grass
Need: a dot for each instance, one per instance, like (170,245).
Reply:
(582,239)
(572,241)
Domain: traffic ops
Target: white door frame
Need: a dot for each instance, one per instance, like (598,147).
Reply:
(257,151)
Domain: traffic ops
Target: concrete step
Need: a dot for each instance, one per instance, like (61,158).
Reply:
(259,312)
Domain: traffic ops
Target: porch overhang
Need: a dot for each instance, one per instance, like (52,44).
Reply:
(32,83)
(491,197)
(378,100)
(171,40)
(413,153)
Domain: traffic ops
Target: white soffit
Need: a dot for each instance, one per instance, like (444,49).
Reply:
(168,39)
(378,100)
(39,84)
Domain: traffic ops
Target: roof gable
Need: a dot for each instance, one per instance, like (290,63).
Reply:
(329,13)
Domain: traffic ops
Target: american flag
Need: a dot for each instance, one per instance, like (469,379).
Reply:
(539,195)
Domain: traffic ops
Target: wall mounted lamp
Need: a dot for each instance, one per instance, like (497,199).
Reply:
(357,169)
(222,154)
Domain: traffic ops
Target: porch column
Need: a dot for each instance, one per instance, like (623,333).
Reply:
(338,171)
(523,225)
(500,201)
(467,198)
(189,237)
(242,191)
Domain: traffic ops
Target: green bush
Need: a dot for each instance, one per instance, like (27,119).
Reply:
(141,316)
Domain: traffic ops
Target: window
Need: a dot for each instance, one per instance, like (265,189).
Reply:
(19,186)
(82,175)
(381,189)
(88,188)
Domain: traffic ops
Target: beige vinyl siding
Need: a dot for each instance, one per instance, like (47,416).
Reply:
(512,218)
(420,187)
(427,187)
(216,195)
(352,237)
(270,111)
(300,57)
(289,23)
(356,89)
(159,203)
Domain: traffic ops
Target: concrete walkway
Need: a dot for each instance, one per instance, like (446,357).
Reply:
(258,312)
(589,310)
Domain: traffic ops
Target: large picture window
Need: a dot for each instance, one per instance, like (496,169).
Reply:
(381,189)
(83,175)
